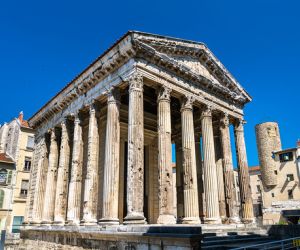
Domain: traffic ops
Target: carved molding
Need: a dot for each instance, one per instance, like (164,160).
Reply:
(207,112)
(187,102)
(239,125)
(164,94)
(135,82)
(113,95)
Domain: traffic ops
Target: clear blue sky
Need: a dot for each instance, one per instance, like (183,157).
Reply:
(44,44)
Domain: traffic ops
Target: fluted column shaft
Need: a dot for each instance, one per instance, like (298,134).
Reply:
(200,177)
(209,167)
(245,191)
(190,188)
(179,181)
(49,198)
(60,211)
(166,210)
(75,186)
(112,161)
(220,178)
(41,157)
(90,197)
(135,174)
(231,202)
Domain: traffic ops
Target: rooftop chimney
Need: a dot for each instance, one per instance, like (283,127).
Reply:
(298,143)
(21,116)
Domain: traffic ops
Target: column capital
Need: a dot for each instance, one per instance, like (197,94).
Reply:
(113,95)
(207,111)
(92,106)
(136,82)
(164,94)
(239,125)
(224,121)
(51,131)
(187,102)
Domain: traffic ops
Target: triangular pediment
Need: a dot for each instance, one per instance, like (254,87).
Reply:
(193,58)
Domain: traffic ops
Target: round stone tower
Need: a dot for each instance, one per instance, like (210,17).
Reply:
(268,141)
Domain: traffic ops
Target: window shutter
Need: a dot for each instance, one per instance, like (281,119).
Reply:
(1,198)
(9,177)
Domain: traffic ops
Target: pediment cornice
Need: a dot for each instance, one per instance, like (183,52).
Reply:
(177,47)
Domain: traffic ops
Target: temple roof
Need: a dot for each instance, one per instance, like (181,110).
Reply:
(189,59)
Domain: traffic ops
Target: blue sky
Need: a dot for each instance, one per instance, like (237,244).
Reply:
(44,44)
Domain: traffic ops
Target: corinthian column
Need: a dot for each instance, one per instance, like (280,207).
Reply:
(190,188)
(179,181)
(49,198)
(74,198)
(112,160)
(41,161)
(245,191)
(166,211)
(220,178)
(201,198)
(209,167)
(91,181)
(62,176)
(232,208)
(135,174)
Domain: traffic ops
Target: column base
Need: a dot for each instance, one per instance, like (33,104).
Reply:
(46,222)
(166,219)
(248,220)
(234,220)
(35,222)
(72,223)
(190,220)
(109,221)
(212,221)
(88,223)
(58,222)
(134,218)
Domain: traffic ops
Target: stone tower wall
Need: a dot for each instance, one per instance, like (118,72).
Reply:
(268,141)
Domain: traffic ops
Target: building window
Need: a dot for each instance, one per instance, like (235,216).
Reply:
(30,142)
(17,222)
(275,172)
(288,156)
(3,176)
(289,177)
(273,195)
(27,164)
(24,188)
(290,194)
(1,198)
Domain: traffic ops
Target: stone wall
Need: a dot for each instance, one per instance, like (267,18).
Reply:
(268,141)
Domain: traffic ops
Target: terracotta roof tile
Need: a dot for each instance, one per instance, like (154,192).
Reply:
(25,124)
(5,158)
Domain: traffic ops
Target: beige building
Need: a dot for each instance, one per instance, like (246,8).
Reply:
(103,148)
(256,189)
(279,176)
(16,150)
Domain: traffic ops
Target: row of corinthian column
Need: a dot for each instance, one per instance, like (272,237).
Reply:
(61,202)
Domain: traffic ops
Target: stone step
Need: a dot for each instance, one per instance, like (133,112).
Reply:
(234,241)
(230,237)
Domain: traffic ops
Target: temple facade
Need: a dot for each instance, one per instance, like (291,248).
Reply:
(103,144)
